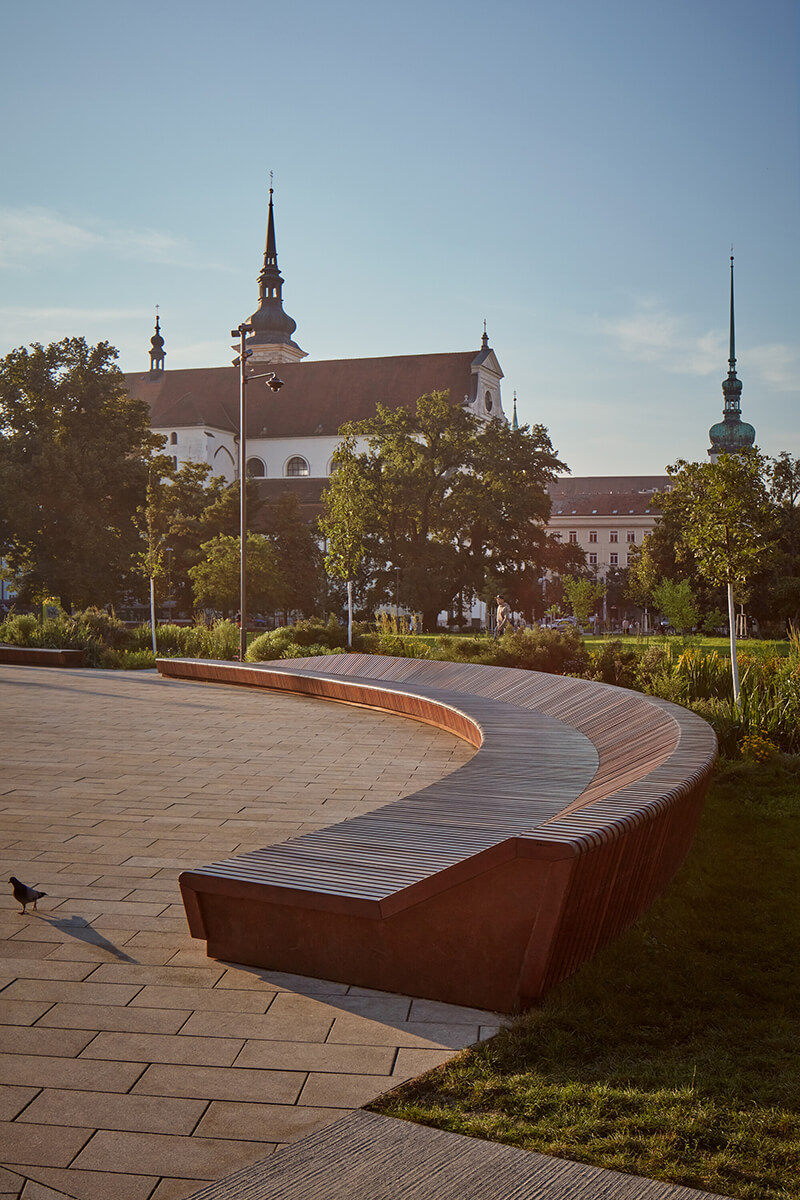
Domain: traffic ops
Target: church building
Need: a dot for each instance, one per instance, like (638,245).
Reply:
(292,433)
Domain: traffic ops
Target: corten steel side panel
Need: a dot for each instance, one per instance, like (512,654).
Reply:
(463,946)
(610,888)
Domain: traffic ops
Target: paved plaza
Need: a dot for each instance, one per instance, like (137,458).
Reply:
(134,1067)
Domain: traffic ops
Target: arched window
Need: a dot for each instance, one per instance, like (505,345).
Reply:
(297,466)
(487,400)
(256,469)
(173,439)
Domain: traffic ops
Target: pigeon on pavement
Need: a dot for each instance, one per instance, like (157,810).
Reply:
(23,893)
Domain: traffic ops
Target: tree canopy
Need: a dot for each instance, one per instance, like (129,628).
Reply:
(439,502)
(215,578)
(74,448)
(724,513)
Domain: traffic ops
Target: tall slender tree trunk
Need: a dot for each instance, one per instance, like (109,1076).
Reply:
(153,615)
(350,613)
(732,628)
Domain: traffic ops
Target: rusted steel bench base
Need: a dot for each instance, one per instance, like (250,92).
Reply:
(489,887)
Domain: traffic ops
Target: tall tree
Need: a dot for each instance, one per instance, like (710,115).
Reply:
(583,595)
(74,448)
(216,578)
(446,500)
(727,521)
(782,583)
(298,555)
(343,524)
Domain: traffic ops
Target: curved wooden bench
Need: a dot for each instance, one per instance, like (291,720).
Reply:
(491,885)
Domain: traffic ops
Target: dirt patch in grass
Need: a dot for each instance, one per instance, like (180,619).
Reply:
(674,1054)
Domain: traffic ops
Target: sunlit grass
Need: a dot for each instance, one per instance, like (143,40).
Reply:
(674,1054)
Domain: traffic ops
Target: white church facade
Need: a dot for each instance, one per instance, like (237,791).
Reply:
(292,433)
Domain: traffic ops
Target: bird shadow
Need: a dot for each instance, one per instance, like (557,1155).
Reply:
(81,929)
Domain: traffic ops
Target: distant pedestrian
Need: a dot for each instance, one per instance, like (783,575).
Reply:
(503,617)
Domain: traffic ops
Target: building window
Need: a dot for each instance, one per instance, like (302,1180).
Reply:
(297,466)
(173,439)
(487,400)
(592,560)
(612,537)
(256,469)
(613,560)
(631,536)
(175,461)
(556,537)
(629,559)
(592,535)
(573,537)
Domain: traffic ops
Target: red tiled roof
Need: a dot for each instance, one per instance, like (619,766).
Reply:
(606,495)
(317,397)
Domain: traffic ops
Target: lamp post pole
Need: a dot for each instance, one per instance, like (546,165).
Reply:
(244,354)
(274,384)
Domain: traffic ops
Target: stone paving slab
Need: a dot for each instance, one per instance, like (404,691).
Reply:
(133,1067)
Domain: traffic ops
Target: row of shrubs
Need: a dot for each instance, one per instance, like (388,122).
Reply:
(767,718)
(108,642)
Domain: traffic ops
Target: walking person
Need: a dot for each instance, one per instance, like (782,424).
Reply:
(503,617)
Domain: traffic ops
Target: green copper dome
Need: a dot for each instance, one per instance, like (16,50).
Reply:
(729,437)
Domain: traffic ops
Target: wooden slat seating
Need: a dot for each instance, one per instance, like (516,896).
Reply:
(39,656)
(491,885)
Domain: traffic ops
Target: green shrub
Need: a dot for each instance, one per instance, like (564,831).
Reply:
(614,663)
(105,628)
(295,650)
(126,660)
(394,645)
(20,629)
(270,645)
(315,632)
(556,651)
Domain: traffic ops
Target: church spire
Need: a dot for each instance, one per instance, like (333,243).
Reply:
(732,434)
(732,350)
(157,351)
(515,421)
(271,340)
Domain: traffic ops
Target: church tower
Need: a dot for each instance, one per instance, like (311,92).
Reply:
(731,435)
(157,351)
(271,340)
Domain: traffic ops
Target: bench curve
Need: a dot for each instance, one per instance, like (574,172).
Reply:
(491,885)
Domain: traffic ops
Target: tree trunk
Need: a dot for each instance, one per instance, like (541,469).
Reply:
(732,628)
(153,615)
(350,614)
(429,619)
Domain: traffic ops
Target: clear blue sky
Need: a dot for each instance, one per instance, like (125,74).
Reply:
(572,171)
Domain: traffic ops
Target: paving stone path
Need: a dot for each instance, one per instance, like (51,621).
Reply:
(132,1067)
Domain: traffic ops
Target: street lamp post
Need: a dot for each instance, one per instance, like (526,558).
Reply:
(275,384)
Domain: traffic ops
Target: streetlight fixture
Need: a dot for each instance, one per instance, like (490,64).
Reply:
(275,384)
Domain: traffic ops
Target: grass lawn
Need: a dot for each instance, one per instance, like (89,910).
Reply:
(744,646)
(674,1054)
